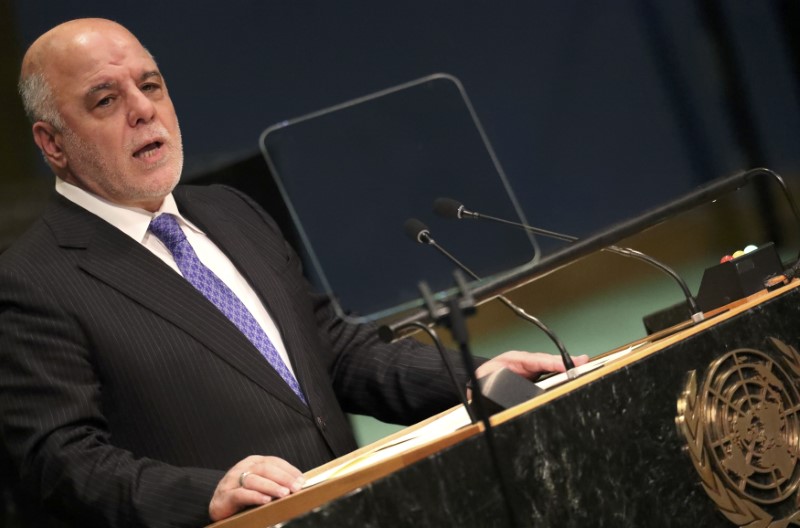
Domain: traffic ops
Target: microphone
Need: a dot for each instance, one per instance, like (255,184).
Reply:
(450,208)
(419,232)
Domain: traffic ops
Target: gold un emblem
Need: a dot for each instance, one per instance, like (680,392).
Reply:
(743,434)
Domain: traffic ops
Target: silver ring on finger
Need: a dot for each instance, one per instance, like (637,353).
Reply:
(242,477)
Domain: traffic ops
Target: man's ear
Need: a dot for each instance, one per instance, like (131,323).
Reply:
(49,141)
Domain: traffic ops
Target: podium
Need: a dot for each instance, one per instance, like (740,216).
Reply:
(697,426)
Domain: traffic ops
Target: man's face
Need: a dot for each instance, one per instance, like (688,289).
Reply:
(121,139)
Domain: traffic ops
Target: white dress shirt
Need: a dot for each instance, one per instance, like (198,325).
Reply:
(134,222)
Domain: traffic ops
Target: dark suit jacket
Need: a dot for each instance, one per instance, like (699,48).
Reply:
(125,395)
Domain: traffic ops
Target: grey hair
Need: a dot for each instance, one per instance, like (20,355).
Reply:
(39,101)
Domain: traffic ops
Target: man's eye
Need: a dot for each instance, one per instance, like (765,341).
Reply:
(105,101)
(150,87)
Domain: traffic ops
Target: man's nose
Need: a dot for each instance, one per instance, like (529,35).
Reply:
(140,108)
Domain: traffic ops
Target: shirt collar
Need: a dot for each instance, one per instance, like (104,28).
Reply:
(132,221)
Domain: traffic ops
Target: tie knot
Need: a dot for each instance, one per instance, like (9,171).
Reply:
(165,227)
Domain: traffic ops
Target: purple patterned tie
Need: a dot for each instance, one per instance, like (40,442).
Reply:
(166,228)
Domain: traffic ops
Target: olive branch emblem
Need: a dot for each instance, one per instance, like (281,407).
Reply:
(733,503)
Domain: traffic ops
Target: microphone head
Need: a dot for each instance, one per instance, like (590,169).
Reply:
(417,231)
(449,208)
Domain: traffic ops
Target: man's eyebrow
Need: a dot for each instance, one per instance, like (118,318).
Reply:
(150,74)
(100,87)
(111,84)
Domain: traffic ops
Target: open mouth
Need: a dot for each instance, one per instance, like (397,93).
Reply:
(148,151)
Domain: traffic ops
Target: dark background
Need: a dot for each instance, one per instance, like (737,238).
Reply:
(597,110)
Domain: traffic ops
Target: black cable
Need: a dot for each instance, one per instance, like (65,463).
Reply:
(458,328)
(420,233)
(519,312)
(461,391)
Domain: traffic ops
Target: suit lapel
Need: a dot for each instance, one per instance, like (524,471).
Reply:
(121,263)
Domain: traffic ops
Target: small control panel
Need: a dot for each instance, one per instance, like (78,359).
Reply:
(738,275)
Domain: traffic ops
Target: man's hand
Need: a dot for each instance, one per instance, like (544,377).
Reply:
(253,481)
(527,364)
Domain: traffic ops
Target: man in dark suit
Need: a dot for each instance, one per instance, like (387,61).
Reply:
(171,375)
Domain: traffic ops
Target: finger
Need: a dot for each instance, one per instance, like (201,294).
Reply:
(267,486)
(532,364)
(580,360)
(226,503)
(276,463)
(550,363)
(233,492)
(556,364)
(274,476)
(267,466)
